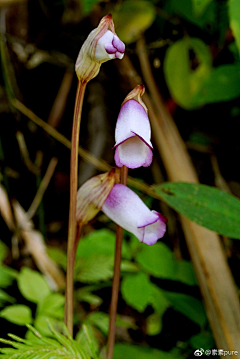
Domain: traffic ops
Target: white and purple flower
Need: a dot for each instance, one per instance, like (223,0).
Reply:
(109,46)
(101,45)
(126,209)
(132,135)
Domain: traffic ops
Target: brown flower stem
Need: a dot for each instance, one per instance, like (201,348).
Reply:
(116,278)
(72,226)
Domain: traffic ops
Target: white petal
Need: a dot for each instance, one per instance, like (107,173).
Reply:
(133,153)
(101,53)
(132,119)
(125,208)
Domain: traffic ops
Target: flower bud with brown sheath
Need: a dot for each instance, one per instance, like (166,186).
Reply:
(92,195)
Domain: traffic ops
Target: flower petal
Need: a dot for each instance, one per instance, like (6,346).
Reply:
(109,46)
(125,208)
(132,119)
(133,153)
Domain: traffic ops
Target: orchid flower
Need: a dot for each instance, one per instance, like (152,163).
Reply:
(101,45)
(132,134)
(125,208)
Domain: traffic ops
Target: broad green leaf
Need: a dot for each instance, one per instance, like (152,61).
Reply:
(158,260)
(137,290)
(183,81)
(132,18)
(94,269)
(3,251)
(99,242)
(205,205)
(52,306)
(7,276)
(189,306)
(234,16)
(199,6)
(18,314)
(32,285)
(221,85)
(127,351)
(185,273)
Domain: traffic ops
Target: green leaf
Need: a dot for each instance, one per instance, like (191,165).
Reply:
(202,340)
(84,295)
(189,306)
(3,251)
(88,5)
(62,346)
(4,297)
(58,256)
(183,81)
(94,269)
(41,323)
(188,10)
(32,285)
(52,306)
(127,351)
(100,242)
(185,273)
(132,18)
(221,85)
(18,314)
(234,16)
(7,276)
(158,260)
(158,300)
(154,324)
(137,290)
(99,320)
(86,338)
(199,6)
(205,205)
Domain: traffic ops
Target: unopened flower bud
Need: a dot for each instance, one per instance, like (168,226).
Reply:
(92,195)
(101,45)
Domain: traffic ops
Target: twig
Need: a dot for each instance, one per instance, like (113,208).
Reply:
(88,157)
(25,154)
(42,188)
(116,278)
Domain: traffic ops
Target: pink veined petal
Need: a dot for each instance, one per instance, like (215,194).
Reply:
(125,208)
(132,119)
(133,153)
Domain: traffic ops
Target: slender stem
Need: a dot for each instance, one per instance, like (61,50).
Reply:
(116,279)
(72,226)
